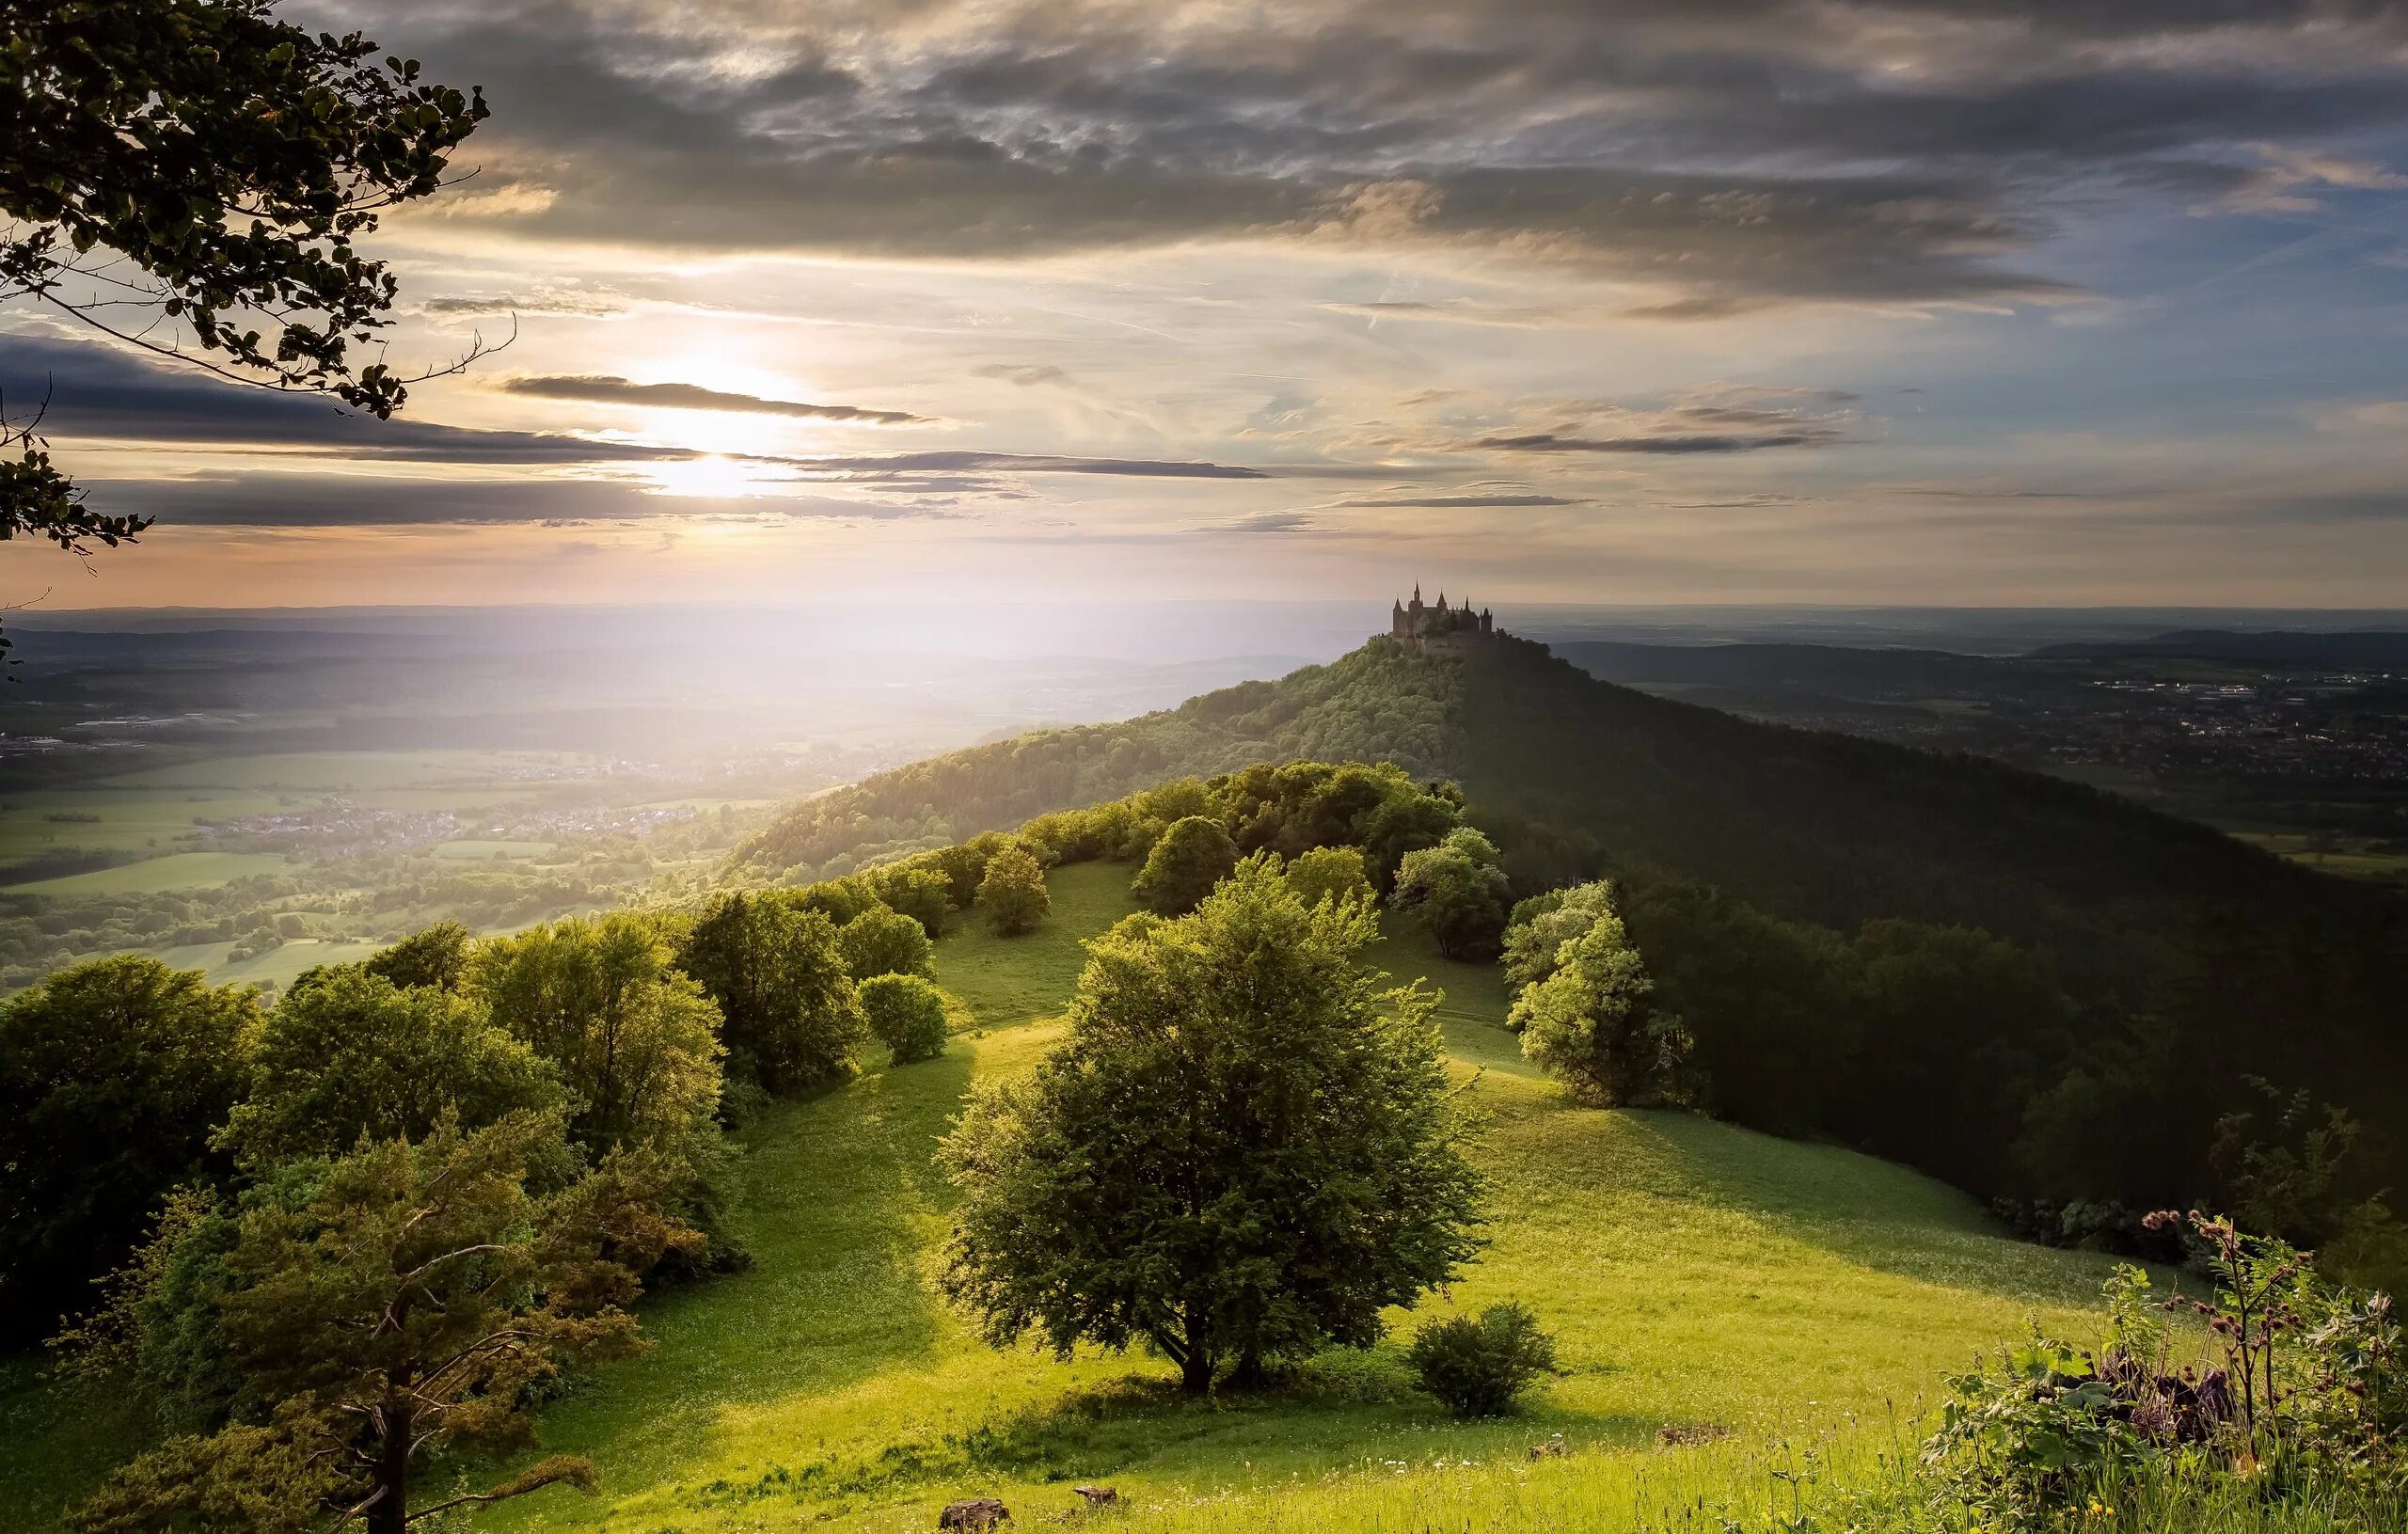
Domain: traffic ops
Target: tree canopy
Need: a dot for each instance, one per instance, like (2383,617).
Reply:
(634,1039)
(1591,1020)
(409,1306)
(350,1056)
(786,1008)
(211,169)
(1458,891)
(1192,855)
(1245,1149)
(113,1077)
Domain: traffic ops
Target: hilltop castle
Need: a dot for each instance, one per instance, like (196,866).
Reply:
(1440,627)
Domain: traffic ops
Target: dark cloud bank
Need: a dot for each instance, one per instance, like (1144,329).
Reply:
(1738,153)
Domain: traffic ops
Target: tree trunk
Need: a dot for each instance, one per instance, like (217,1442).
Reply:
(1196,1372)
(1249,1374)
(390,1512)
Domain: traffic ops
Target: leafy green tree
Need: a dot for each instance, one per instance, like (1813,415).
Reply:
(908,1014)
(1242,1151)
(193,177)
(412,1307)
(435,955)
(1329,872)
(634,1040)
(964,864)
(884,942)
(777,974)
(350,1055)
(1592,1024)
(1013,892)
(1477,1367)
(113,1076)
(840,900)
(1541,926)
(1458,892)
(916,890)
(1192,855)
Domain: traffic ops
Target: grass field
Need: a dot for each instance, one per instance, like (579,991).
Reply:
(1696,1276)
(174,871)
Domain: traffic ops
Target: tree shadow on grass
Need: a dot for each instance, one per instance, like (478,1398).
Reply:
(1865,1210)
(1314,1420)
(840,1200)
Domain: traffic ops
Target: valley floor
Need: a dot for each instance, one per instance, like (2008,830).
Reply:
(1698,1277)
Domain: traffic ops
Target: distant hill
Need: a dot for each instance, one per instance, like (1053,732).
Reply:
(1576,773)
(2376,649)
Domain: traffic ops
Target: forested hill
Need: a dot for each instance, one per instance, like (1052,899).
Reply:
(1576,776)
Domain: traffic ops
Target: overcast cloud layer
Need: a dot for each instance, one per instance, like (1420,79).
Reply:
(1923,300)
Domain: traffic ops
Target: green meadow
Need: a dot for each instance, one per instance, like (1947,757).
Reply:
(1701,1278)
(1705,1282)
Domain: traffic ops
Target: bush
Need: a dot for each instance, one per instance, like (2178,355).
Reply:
(908,1014)
(777,974)
(1013,892)
(1477,1366)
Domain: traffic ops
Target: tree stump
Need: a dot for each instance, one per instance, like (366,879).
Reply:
(974,1513)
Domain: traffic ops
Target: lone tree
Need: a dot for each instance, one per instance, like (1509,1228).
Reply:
(1245,1149)
(414,1303)
(908,1014)
(193,177)
(1013,892)
(1192,855)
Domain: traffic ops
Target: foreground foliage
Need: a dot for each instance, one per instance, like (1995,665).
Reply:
(406,1306)
(210,168)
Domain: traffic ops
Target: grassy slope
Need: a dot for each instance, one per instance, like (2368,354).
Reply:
(1694,1273)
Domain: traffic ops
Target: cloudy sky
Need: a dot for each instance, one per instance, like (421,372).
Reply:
(1931,301)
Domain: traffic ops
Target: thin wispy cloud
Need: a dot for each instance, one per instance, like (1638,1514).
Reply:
(604,389)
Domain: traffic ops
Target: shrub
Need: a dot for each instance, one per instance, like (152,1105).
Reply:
(1193,855)
(1013,892)
(1477,1366)
(908,1014)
